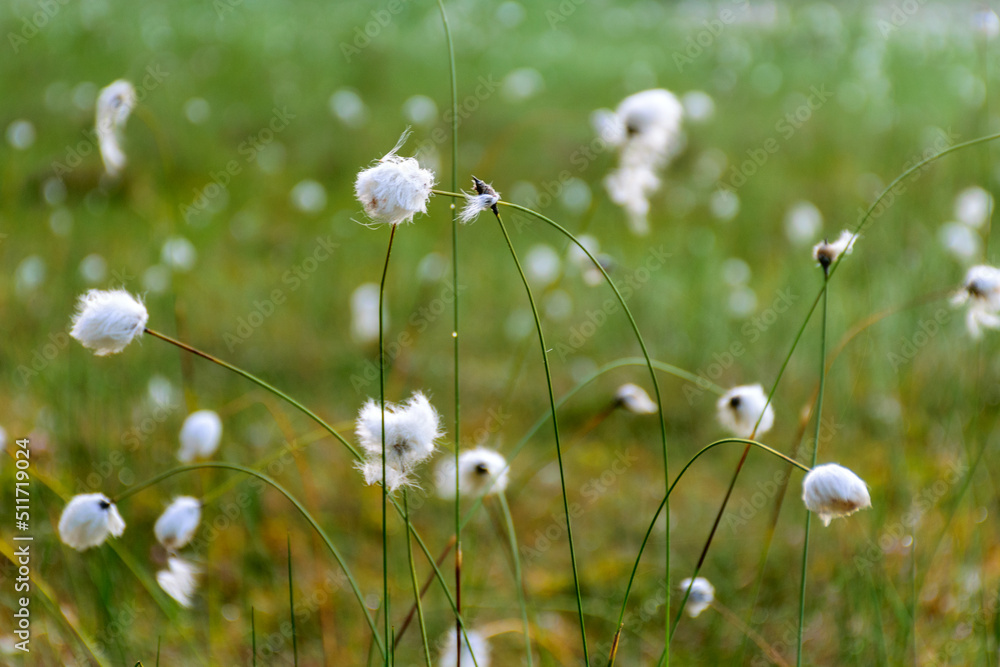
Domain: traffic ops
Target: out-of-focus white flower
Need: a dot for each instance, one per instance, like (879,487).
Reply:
(973,206)
(542,264)
(200,436)
(114,104)
(107,321)
(485,197)
(178,523)
(740,408)
(702,595)
(826,252)
(630,187)
(833,491)
(960,240)
(476,644)
(364,313)
(179,580)
(395,189)
(634,398)
(481,471)
(88,519)
(981,291)
(410,432)
(802,222)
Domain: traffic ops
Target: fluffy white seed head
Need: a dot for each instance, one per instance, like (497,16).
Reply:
(178,523)
(179,580)
(481,472)
(826,252)
(114,104)
(634,398)
(702,595)
(108,320)
(475,645)
(740,407)
(981,291)
(395,189)
(833,491)
(364,313)
(485,197)
(200,436)
(410,433)
(88,519)
(630,187)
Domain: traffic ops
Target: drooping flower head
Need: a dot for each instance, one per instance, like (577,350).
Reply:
(114,104)
(826,253)
(179,580)
(981,291)
(481,471)
(833,491)
(200,436)
(108,320)
(410,431)
(178,523)
(634,398)
(88,519)
(702,595)
(476,645)
(740,408)
(485,198)
(395,189)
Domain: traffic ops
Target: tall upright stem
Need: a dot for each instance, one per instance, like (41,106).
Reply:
(385,491)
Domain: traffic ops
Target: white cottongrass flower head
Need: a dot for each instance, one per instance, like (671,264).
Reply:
(179,580)
(973,206)
(114,105)
(200,436)
(740,408)
(476,645)
(395,189)
(833,491)
(364,313)
(634,398)
(88,519)
(108,320)
(178,523)
(826,252)
(485,198)
(410,431)
(481,471)
(702,595)
(981,291)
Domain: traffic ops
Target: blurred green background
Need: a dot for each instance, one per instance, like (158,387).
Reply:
(301,96)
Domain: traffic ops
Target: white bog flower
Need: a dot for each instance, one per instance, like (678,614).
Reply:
(200,436)
(630,187)
(833,491)
(178,523)
(410,432)
(179,580)
(114,104)
(740,408)
(634,398)
(395,189)
(88,519)
(108,320)
(702,595)
(476,645)
(826,252)
(981,291)
(481,472)
(485,197)
(364,313)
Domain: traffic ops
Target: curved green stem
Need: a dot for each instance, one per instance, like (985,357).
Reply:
(133,490)
(416,585)
(518,578)
(555,428)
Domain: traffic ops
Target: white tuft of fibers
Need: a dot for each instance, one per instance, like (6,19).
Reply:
(739,409)
(108,320)
(410,433)
(481,472)
(981,291)
(179,580)
(200,436)
(476,645)
(114,104)
(178,523)
(826,252)
(88,519)
(832,491)
(701,597)
(634,398)
(395,189)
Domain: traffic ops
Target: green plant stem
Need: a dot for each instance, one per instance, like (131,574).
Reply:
(819,418)
(416,585)
(385,491)
(663,504)
(518,577)
(291,603)
(133,490)
(555,428)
